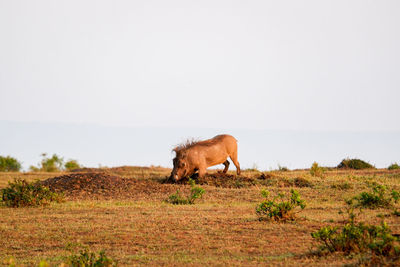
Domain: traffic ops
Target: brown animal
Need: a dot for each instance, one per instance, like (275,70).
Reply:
(198,156)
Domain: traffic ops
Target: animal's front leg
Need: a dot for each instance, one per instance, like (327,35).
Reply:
(202,172)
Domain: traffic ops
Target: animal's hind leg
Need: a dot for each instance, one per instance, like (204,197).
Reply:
(235,161)
(226,163)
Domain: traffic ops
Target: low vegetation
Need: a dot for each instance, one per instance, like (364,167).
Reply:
(21,193)
(316,170)
(376,241)
(9,164)
(279,208)
(342,186)
(55,163)
(379,197)
(72,165)
(356,164)
(196,192)
(282,168)
(394,166)
(87,258)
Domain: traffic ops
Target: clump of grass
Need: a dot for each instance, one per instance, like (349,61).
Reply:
(279,209)
(360,237)
(195,193)
(21,193)
(9,164)
(87,258)
(342,186)
(356,164)
(316,170)
(394,166)
(302,182)
(378,198)
(11,262)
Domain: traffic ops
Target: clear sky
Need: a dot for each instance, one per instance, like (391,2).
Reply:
(301,65)
(230,66)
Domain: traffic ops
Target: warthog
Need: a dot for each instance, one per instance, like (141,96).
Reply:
(198,156)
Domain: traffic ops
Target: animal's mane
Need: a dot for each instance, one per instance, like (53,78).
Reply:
(189,143)
(185,145)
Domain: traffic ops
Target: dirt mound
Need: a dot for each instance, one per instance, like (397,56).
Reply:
(100,185)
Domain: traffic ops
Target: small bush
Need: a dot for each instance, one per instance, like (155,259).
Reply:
(359,238)
(394,166)
(282,168)
(378,198)
(177,199)
(71,165)
(20,193)
(356,164)
(9,164)
(90,259)
(272,209)
(53,164)
(316,170)
(195,193)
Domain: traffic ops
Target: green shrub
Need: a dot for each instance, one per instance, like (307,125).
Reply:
(279,209)
(71,165)
(356,164)
(394,166)
(378,198)
(195,193)
(90,259)
(53,164)
(395,195)
(316,170)
(353,237)
(20,193)
(9,164)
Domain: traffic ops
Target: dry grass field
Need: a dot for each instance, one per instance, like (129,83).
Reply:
(136,227)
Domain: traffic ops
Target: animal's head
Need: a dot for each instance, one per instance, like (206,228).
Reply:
(181,166)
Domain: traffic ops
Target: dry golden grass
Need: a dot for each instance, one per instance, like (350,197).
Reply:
(221,229)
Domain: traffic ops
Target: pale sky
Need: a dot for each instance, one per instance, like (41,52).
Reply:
(298,65)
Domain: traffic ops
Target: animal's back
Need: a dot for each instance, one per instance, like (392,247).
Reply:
(225,138)
(218,146)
